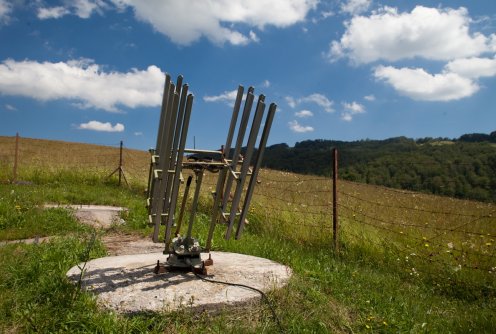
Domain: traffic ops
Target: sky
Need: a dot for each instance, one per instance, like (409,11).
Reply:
(93,71)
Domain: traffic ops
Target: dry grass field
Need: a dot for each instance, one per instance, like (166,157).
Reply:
(395,245)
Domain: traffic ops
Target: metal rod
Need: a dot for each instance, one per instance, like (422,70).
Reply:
(234,120)
(16,157)
(239,142)
(199,178)
(335,222)
(163,111)
(183,205)
(257,120)
(174,129)
(164,156)
(163,115)
(178,166)
(256,169)
(120,163)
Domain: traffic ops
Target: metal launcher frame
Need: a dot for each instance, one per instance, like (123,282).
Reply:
(230,200)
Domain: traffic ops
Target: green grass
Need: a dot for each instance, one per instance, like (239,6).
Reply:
(374,284)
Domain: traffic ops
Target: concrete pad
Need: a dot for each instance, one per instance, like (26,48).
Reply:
(99,216)
(127,284)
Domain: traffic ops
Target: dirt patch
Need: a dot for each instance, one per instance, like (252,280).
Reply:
(127,244)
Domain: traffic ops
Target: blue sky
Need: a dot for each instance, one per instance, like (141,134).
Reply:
(93,70)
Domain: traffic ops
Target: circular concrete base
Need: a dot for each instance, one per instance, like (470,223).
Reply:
(127,283)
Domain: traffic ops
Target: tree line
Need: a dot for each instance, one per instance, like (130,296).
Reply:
(464,167)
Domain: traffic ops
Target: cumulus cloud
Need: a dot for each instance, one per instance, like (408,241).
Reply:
(84,82)
(351,109)
(228,96)
(296,127)
(355,7)
(102,127)
(304,113)
(185,22)
(430,33)
(473,67)
(319,99)
(370,97)
(5,10)
(418,84)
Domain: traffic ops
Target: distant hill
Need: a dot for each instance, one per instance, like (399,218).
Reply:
(463,167)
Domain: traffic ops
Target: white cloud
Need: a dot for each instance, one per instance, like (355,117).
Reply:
(10,107)
(418,84)
(52,13)
(430,33)
(228,96)
(138,133)
(185,22)
(85,8)
(81,8)
(370,97)
(351,109)
(5,10)
(473,67)
(102,127)
(354,107)
(266,84)
(290,101)
(304,113)
(319,99)
(296,127)
(355,7)
(86,83)
(254,37)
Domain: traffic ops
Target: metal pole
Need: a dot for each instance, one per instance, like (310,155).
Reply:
(120,164)
(16,157)
(335,222)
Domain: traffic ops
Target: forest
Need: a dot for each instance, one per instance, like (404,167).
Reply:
(464,167)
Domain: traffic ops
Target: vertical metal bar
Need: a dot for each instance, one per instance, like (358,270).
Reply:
(234,119)
(183,205)
(163,111)
(222,174)
(152,183)
(256,168)
(239,142)
(179,161)
(16,157)
(164,156)
(257,120)
(199,178)
(120,164)
(335,222)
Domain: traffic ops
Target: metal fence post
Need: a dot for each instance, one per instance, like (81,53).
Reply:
(335,222)
(120,164)
(16,157)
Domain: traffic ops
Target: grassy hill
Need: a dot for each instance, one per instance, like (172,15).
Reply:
(408,261)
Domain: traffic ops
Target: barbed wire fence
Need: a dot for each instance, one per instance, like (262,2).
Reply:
(420,230)
(25,157)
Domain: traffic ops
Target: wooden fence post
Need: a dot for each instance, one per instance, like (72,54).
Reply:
(335,221)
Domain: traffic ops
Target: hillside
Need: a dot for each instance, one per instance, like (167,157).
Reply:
(463,168)
(407,261)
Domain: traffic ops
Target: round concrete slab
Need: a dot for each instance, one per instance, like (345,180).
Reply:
(127,283)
